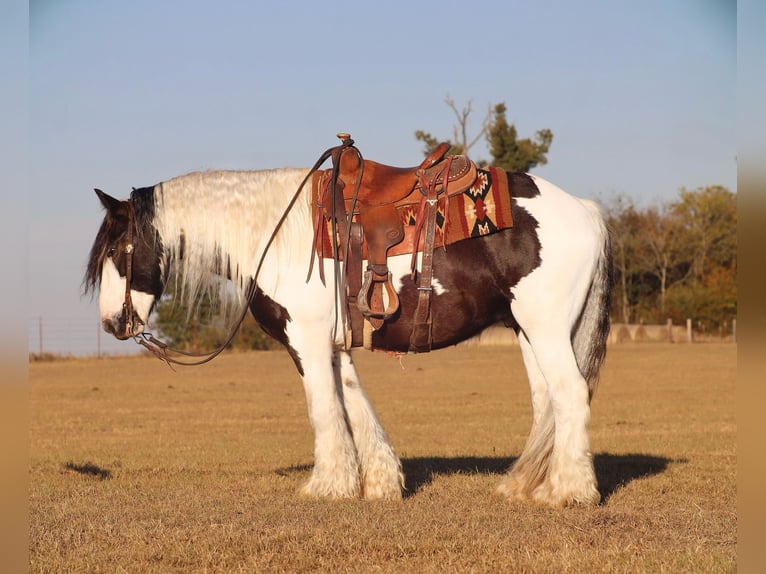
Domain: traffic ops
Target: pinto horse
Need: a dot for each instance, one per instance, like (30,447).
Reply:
(548,277)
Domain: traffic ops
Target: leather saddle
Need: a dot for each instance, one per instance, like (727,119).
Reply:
(384,184)
(359,198)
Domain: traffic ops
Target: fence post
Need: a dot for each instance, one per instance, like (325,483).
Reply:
(40,334)
(734,330)
(670,330)
(689,331)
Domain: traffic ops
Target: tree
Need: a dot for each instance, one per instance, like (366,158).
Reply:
(677,259)
(508,152)
(511,153)
(665,255)
(460,142)
(709,220)
(624,221)
(206,325)
(180,325)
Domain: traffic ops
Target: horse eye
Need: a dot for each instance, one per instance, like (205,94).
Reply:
(111,252)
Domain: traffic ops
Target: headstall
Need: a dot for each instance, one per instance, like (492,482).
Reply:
(127,306)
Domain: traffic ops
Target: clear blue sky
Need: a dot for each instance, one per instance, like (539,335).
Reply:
(640,97)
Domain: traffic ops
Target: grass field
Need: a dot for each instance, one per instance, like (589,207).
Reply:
(138,468)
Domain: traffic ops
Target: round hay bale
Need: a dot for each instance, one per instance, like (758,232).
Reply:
(623,334)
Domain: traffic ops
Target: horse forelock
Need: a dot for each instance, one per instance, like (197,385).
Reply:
(112,228)
(215,224)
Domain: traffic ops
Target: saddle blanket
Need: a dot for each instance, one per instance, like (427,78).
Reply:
(482,209)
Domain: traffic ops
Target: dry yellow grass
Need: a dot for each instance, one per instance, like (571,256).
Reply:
(136,468)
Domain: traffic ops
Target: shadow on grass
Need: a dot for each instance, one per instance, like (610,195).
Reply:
(89,469)
(612,471)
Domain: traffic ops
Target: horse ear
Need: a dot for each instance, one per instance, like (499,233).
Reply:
(110,204)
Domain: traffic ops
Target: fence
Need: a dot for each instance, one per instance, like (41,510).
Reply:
(85,337)
(621,333)
(74,336)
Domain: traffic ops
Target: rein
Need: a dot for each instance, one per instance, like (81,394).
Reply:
(162,350)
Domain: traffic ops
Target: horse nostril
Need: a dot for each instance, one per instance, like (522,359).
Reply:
(108,326)
(114,327)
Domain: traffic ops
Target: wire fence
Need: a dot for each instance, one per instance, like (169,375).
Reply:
(74,336)
(83,336)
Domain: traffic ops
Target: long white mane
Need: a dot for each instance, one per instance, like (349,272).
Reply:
(215,224)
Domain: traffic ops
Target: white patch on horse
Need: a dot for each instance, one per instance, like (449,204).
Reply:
(400,267)
(111,296)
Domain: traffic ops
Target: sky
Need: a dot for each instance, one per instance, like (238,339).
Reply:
(640,96)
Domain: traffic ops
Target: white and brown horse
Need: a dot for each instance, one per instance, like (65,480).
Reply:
(548,277)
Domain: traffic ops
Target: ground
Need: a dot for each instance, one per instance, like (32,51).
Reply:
(136,467)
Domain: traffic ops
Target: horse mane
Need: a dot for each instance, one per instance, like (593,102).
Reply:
(214,225)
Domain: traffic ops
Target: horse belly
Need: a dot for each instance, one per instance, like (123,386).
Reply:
(469,294)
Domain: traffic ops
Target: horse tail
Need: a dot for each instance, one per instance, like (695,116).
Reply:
(592,329)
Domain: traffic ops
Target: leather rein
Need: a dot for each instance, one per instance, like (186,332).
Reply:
(162,350)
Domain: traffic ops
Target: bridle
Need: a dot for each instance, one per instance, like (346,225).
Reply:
(161,350)
(127,305)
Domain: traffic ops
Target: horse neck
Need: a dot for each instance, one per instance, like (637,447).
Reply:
(222,221)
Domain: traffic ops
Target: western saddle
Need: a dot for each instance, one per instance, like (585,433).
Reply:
(358,199)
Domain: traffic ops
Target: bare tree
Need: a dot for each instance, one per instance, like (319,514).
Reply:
(460,131)
(625,222)
(668,255)
(508,150)
(460,140)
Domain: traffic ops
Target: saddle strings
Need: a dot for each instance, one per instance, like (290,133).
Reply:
(161,350)
(340,278)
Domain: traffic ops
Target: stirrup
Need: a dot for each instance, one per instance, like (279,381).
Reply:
(366,290)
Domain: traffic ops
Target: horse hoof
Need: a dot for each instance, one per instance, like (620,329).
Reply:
(383,479)
(334,490)
(513,489)
(382,491)
(545,494)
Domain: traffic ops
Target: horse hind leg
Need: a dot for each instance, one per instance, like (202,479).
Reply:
(380,469)
(570,477)
(565,340)
(530,469)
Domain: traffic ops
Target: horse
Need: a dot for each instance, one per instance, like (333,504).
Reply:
(548,277)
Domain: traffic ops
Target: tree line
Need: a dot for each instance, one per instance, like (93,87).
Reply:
(675,260)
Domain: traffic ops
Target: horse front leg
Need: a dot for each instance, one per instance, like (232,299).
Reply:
(336,465)
(380,468)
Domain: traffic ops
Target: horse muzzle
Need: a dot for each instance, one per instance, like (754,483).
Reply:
(118,327)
